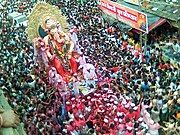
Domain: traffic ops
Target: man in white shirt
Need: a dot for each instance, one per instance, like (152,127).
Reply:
(176,47)
(89,74)
(55,79)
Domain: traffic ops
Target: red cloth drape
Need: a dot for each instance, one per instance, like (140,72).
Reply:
(73,64)
(60,69)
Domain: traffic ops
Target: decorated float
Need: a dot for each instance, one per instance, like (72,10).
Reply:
(55,46)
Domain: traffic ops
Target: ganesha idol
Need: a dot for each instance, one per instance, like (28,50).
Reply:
(47,29)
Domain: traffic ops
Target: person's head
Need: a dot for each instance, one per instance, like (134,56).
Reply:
(127,120)
(155,108)
(89,124)
(71,111)
(175,42)
(146,82)
(160,97)
(112,126)
(71,123)
(91,131)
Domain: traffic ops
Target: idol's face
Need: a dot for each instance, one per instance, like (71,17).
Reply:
(50,23)
(52,26)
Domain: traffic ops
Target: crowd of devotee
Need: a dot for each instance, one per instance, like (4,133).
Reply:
(120,88)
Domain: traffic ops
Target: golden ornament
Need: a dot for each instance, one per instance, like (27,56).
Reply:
(40,13)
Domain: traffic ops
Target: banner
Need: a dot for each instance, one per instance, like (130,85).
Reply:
(135,2)
(108,7)
(129,16)
(134,18)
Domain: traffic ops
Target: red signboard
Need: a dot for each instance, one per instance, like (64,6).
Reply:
(134,18)
(108,7)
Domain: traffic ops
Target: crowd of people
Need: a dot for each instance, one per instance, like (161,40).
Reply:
(135,91)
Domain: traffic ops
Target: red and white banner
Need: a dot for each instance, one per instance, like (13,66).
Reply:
(132,17)
(108,7)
